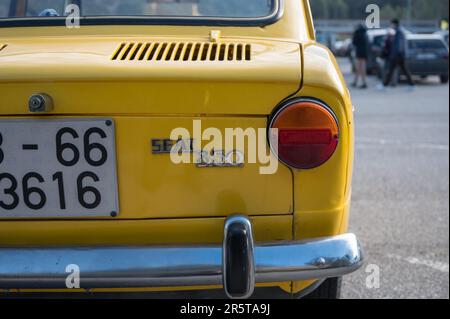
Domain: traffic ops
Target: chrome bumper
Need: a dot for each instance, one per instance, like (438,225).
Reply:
(129,267)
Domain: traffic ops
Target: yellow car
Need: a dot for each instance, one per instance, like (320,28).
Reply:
(197,148)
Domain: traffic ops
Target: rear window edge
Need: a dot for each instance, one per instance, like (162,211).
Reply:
(276,15)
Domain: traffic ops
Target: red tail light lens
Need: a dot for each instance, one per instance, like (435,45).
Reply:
(308,133)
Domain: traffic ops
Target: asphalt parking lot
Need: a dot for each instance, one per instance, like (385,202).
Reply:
(400,206)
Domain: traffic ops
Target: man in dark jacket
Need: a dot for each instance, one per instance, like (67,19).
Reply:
(396,56)
(361,45)
(385,55)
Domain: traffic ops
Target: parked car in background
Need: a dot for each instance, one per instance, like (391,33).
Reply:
(343,48)
(376,43)
(377,38)
(428,55)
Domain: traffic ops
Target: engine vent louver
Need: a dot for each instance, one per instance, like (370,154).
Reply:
(186,51)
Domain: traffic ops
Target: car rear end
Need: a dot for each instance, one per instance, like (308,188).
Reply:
(87,177)
(428,55)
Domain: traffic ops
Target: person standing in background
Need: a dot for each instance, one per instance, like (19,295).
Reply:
(385,55)
(361,45)
(397,56)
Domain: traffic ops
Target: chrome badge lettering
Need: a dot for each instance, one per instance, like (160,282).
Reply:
(204,158)
(219,158)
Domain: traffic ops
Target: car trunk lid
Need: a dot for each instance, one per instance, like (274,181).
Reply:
(147,97)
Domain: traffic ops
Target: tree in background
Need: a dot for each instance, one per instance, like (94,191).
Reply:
(325,9)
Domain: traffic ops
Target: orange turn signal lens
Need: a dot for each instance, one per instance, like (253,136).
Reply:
(307,133)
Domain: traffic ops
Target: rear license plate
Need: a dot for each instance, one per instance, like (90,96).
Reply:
(58,168)
(426,56)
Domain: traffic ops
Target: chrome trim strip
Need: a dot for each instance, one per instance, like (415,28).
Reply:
(130,267)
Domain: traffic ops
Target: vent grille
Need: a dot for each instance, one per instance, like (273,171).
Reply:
(176,51)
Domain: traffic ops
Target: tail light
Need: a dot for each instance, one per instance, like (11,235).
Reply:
(307,133)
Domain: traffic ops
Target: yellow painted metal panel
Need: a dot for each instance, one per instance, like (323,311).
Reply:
(134,232)
(322,195)
(148,98)
(85,58)
(152,186)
